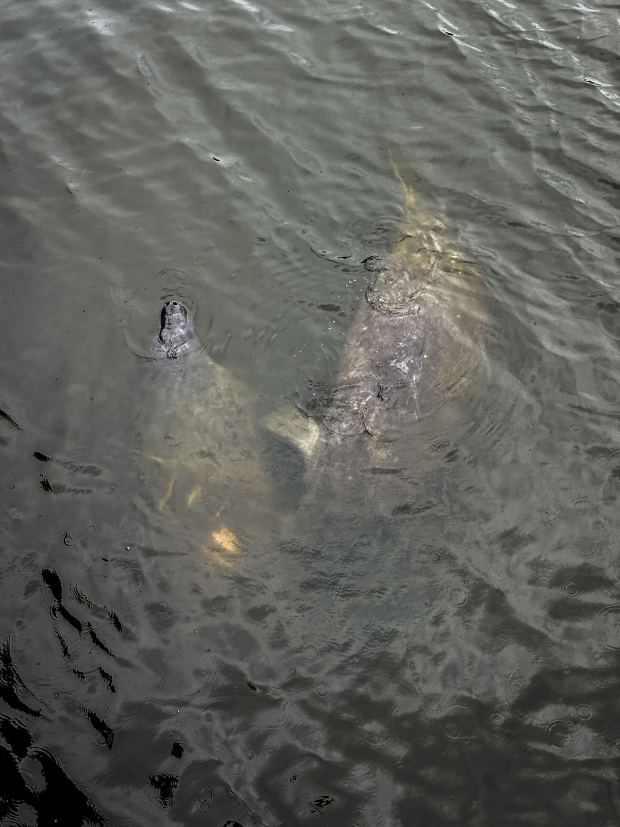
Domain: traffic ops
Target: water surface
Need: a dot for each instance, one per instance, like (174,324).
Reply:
(435,641)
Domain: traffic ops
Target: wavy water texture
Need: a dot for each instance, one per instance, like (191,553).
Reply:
(209,619)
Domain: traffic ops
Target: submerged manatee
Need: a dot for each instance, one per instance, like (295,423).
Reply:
(205,454)
(412,369)
(177,333)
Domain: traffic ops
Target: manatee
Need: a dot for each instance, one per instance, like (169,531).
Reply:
(410,376)
(206,458)
(415,346)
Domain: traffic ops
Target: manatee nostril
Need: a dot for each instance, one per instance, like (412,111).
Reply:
(174,304)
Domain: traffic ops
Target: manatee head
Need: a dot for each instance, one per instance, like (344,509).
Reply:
(176,333)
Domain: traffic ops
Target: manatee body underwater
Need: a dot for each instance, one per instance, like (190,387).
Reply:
(411,373)
(207,462)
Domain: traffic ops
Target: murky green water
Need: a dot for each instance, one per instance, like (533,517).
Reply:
(210,620)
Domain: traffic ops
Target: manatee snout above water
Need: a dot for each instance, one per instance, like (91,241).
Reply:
(177,332)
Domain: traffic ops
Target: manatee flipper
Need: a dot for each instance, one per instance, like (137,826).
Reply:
(167,494)
(221,548)
(194,495)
